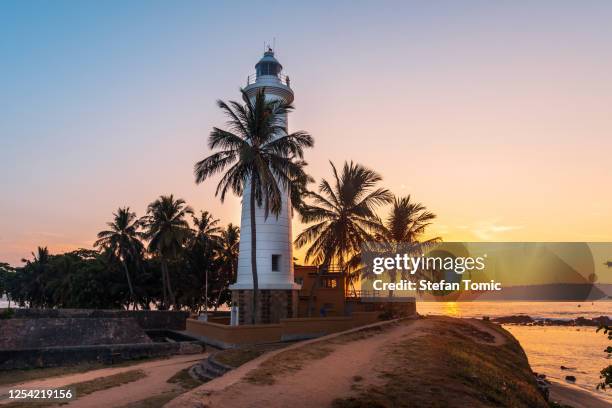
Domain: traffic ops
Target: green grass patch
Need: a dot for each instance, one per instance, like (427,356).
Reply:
(20,376)
(452,366)
(184,380)
(85,388)
(238,356)
(156,401)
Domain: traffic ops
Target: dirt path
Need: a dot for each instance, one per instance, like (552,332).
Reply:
(157,371)
(351,366)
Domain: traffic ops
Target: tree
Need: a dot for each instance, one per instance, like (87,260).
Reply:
(167,232)
(206,241)
(259,158)
(35,271)
(122,243)
(402,231)
(77,279)
(299,190)
(228,258)
(7,273)
(344,219)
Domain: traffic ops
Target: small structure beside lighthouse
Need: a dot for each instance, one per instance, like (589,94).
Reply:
(278,292)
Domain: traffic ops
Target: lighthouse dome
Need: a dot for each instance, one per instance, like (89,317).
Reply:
(268,65)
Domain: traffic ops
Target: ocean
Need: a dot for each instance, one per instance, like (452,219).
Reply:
(547,347)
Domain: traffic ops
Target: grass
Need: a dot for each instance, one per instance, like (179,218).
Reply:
(87,387)
(287,362)
(452,366)
(238,356)
(19,376)
(155,401)
(182,379)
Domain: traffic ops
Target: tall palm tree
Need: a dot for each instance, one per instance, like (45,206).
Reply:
(167,232)
(407,222)
(344,217)
(258,156)
(228,254)
(299,190)
(206,228)
(122,242)
(228,249)
(402,232)
(206,238)
(38,267)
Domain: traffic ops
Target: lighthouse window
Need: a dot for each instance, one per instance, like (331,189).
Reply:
(267,69)
(276,263)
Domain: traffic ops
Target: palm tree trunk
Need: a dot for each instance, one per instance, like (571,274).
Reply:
(253,253)
(164,286)
(171,297)
(129,281)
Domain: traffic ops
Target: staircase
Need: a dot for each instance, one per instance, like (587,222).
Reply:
(208,369)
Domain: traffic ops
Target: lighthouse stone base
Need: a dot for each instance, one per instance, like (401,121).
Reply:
(273,305)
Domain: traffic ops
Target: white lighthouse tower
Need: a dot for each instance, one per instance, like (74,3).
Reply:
(278,293)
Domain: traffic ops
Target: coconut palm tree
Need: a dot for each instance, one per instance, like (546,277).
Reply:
(228,249)
(167,231)
(206,238)
(407,222)
(299,190)
(122,242)
(207,228)
(259,158)
(402,232)
(37,270)
(344,218)
(228,255)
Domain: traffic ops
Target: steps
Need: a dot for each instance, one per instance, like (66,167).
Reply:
(208,369)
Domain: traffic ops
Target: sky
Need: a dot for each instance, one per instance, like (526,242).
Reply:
(495,115)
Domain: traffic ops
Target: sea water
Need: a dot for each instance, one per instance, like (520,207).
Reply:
(548,348)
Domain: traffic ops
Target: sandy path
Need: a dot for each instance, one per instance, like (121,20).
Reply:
(321,381)
(307,386)
(157,371)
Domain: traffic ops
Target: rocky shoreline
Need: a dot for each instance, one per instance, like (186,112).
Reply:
(526,320)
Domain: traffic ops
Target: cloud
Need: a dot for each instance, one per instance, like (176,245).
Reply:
(488,231)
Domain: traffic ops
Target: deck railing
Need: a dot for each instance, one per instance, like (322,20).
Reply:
(363,294)
(282,78)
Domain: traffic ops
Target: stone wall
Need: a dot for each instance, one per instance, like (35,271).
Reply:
(108,354)
(147,319)
(55,332)
(274,305)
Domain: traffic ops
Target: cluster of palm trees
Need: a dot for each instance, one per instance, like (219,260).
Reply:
(168,236)
(344,222)
(258,157)
(193,257)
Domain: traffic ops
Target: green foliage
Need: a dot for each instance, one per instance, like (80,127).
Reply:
(606,373)
(99,279)
(7,314)
(167,231)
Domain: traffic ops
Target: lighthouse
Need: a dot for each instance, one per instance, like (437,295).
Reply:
(278,293)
